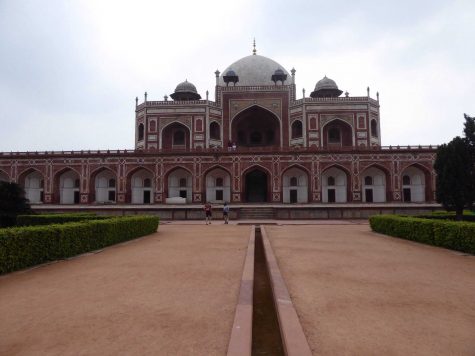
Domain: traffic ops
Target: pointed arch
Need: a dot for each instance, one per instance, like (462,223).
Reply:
(377,191)
(4,175)
(166,141)
(32,180)
(256,183)
(105,193)
(215,192)
(179,185)
(340,190)
(67,194)
(346,133)
(416,191)
(295,187)
(140,195)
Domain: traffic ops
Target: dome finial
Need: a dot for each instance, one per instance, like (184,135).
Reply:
(254,44)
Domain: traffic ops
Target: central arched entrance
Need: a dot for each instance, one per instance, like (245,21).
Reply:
(256,186)
(255,127)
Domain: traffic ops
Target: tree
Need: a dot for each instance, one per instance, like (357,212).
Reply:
(469,131)
(12,203)
(455,184)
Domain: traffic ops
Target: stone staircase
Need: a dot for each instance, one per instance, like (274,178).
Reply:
(256,213)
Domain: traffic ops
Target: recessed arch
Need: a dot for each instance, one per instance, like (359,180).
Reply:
(256,126)
(102,191)
(32,181)
(138,192)
(257,184)
(67,184)
(296,129)
(345,133)
(335,183)
(419,188)
(214,130)
(374,128)
(217,184)
(374,182)
(295,184)
(167,134)
(174,186)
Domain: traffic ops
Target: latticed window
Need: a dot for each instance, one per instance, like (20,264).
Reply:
(293,181)
(76,183)
(182,182)
(219,182)
(368,180)
(331,180)
(406,180)
(147,183)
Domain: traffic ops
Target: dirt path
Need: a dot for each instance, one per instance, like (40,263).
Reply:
(359,293)
(172,293)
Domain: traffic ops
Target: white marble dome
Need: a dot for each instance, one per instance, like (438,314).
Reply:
(254,70)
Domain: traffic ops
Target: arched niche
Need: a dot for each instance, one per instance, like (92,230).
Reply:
(334,186)
(180,184)
(256,127)
(296,129)
(295,185)
(337,133)
(69,187)
(105,185)
(413,185)
(141,187)
(175,136)
(256,185)
(373,185)
(214,131)
(32,182)
(141,132)
(218,186)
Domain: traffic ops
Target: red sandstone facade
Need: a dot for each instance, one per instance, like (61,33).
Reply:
(319,149)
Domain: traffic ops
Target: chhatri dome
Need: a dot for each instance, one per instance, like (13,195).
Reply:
(254,70)
(326,87)
(185,91)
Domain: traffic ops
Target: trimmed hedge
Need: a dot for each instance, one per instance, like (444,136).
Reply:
(48,219)
(455,235)
(449,215)
(22,247)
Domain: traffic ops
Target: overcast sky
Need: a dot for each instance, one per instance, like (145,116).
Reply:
(70,70)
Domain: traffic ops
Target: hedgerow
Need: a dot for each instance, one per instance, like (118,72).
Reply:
(455,235)
(48,219)
(22,247)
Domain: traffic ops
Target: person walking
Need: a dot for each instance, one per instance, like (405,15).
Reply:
(226,212)
(207,209)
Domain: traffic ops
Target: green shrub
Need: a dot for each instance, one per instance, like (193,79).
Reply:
(454,235)
(48,219)
(22,247)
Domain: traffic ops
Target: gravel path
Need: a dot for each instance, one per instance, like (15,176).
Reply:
(170,293)
(361,293)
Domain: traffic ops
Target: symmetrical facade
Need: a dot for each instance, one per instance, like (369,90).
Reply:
(256,142)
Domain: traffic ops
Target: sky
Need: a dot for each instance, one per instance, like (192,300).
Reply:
(70,70)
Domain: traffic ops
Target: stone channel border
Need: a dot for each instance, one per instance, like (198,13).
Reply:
(240,343)
(293,338)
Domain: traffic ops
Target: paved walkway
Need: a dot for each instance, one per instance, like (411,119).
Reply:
(360,293)
(171,293)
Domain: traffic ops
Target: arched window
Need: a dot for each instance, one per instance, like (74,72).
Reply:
(406,180)
(368,180)
(112,183)
(374,128)
(153,125)
(293,181)
(331,180)
(334,135)
(76,183)
(182,182)
(179,137)
(297,129)
(214,131)
(147,183)
(219,182)
(141,132)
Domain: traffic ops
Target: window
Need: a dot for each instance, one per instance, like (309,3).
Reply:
(368,180)
(76,183)
(214,131)
(406,180)
(334,135)
(112,183)
(297,129)
(182,182)
(179,137)
(147,183)
(219,182)
(331,181)
(141,132)
(293,181)
(374,128)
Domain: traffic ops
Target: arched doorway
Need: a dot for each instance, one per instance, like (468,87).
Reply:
(180,184)
(69,187)
(334,186)
(256,187)
(256,127)
(141,184)
(413,185)
(295,186)
(105,187)
(218,186)
(373,185)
